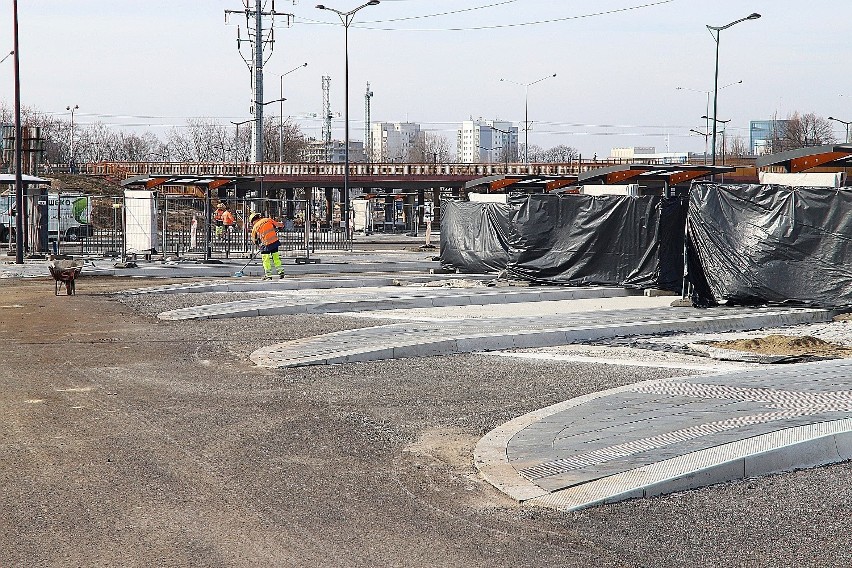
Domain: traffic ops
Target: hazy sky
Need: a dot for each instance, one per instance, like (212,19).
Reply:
(155,63)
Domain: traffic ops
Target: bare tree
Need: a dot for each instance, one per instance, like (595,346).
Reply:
(201,140)
(737,147)
(534,154)
(799,131)
(294,140)
(560,154)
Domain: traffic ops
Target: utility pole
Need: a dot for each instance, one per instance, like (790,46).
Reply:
(262,40)
(19,183)
(368,131)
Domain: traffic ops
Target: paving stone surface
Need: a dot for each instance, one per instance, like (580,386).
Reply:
(661,436)
(387,298)
(426,338)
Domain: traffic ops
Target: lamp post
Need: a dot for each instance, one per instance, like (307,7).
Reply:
(707,107)
(73,164)
(847,123)
(237,140)
(718,30)
(506,147)
(526,87)
(19,182)
(346,20)
(705,135)
(281,113)
(724,127)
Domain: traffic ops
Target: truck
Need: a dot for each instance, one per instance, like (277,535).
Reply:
(68,214)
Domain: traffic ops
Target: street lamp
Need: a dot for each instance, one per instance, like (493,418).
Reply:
(346,19)
(718,30)
(237,137)
(705,135)
(707,107)
(72,165)
(281,114)
(506,147)
(724,127)
(847,123)
(526,87)
(7,56)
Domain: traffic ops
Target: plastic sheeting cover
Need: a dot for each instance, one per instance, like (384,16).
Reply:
(473,236)
(584,239)
(571,239)
(770,243)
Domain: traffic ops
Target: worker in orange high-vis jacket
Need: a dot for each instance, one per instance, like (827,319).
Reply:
(264,231)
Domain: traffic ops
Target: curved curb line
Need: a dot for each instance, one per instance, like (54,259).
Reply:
(783,450)
(799,447)
(490,455)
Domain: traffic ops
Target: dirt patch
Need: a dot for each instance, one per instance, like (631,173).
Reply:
(786,345)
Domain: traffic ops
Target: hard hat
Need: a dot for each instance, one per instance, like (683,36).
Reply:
(220,206)
(254,217)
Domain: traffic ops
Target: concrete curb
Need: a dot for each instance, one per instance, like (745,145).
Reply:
(785,450)
(406,340)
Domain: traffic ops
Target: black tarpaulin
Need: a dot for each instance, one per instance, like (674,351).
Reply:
(770,243)
(571,239)
(473,236)
(586,239)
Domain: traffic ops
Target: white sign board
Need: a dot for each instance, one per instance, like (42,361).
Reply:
(140,218)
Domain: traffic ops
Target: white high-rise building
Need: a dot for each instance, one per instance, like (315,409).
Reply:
(487,142)
(397,142)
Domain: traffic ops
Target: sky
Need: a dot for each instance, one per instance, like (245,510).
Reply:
(153,64)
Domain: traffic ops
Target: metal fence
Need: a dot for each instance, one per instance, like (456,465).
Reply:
(186,228)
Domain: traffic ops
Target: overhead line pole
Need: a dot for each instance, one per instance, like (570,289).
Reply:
(258,41)
(19,180)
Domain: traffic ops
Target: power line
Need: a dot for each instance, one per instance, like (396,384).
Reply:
(367,26)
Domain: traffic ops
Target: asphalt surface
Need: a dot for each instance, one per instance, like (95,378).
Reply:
(130,441)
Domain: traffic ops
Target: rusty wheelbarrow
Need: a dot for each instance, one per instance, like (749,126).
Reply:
(64,274)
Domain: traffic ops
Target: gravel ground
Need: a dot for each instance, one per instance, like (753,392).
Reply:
(796,519)
(193,457)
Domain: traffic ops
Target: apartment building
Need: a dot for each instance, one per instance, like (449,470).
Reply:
(487,141)
(397,142)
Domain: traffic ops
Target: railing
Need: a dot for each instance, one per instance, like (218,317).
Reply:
(122,170)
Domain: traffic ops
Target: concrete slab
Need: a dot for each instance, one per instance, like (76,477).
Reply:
(734,425)
(377,298)
(465,336)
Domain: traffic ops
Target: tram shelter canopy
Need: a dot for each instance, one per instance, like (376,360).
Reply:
(801,159)
(520,183)
(650,174)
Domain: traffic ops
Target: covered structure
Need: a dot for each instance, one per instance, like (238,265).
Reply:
(35,236)
(197,186)
(802,159)
(661,179)
(521,183)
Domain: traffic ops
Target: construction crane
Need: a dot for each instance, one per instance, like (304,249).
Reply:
(368,131)
(326,116)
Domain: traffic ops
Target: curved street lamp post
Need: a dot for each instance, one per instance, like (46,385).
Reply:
(281,113)
(845,122)
(718,30)
(346,20)
(526,87)
(72,166)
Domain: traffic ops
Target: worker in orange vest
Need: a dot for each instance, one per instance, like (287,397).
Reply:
(264,231)
(217,220)
(228,221)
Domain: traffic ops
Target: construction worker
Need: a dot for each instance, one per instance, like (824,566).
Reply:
(264,231)
(217,220)
(228,221)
